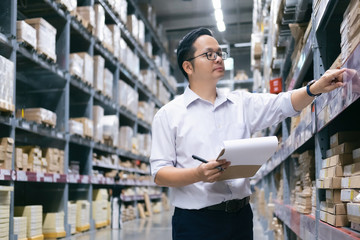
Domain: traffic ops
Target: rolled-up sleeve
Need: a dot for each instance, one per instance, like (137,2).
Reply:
(264,110)
(163,151)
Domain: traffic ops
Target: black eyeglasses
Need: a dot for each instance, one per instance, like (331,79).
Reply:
(211,56)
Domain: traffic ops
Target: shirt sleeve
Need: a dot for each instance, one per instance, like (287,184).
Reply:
(163,143)
(264,110)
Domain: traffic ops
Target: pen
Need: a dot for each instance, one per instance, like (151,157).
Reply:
(204,161)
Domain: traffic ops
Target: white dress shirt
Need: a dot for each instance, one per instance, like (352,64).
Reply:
(190,125)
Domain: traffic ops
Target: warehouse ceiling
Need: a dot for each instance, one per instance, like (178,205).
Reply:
(180,16)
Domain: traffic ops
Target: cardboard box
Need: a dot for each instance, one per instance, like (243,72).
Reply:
(347,195)
(115,32)
(352,169)
(87,14)
(38,115)
(45,37)
(108,39)
(346,147)
(76,65)
(53,223)
(356,155)
(98,114)
(341,137)
(333,196)
(332,183)
(333,208)
(108,83)
(334,171)
(76,127)
(8,144)
(351,182)
(353,210)
(20,226)
(342,159)
(132,25)
(25,33)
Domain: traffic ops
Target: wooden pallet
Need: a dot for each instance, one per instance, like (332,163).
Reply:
(101,224)
(55,235)
(39,237)
(45,56)
(83,228)
(6,107)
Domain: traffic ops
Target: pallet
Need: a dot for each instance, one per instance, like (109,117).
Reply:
(55,235)
(45,56)
(39,237)
(101,224)
(83,228)
(6,107)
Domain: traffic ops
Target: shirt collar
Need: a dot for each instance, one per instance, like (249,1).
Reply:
(190,96)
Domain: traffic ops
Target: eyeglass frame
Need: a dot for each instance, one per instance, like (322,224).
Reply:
(206,53)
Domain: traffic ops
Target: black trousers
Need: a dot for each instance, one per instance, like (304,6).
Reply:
(212,225)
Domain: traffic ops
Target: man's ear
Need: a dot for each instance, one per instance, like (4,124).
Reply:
(188,67)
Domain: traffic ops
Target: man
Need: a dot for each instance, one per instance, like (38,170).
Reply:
(197,122)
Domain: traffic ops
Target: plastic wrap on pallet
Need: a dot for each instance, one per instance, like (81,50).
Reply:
(88,127)
(133,25)
(132,100)
(110,125)
(72,217)
(76,65)
(87,13)
(98,114)
(116,35)
(82,213)
(34,214)
(99,65)
(6,81)
(141,32)
(76,127)
(45,36)
(39,115)
(123,50)
(25,33)
(20,226)
(126,133)
(53,222)
(108,83)
(123,10)
(108,39)
(88,67)
(122,93)
(99,21)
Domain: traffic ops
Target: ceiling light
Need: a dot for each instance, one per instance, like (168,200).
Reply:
(221,26)
(240,45)
(219,15)
(216,4)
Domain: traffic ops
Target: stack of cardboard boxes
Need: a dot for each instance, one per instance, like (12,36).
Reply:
(45,37)
(350,29)
(20,226)
(87,124)
(307,168)
(38,115)
(25,33)
(7,84)
(72,216)
(100,207)
(6,152)
(34,215)
(53,225)
(5,192)
(82,215)
(342,144)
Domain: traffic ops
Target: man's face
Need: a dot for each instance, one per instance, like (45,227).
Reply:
(203,68)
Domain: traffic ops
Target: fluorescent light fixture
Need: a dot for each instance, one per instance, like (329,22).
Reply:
(219,15)
(240,45)
(216,4)
(221,26)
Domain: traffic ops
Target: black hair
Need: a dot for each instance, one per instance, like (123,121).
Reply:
(186,49)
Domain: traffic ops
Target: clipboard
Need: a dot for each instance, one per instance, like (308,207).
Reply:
(246,156)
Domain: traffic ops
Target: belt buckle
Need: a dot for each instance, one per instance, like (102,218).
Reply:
(231,206)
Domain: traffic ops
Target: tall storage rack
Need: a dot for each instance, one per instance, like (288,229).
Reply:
(331,113)
(42,83)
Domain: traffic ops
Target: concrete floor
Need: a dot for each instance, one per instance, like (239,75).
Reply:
(158,227)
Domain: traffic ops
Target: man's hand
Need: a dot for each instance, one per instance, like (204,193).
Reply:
(331,80)
(207,172)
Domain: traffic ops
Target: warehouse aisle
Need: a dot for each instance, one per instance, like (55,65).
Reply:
(157,227)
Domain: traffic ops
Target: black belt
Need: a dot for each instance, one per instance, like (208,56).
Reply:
(230,206)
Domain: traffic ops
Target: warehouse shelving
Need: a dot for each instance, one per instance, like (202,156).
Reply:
(41,82)
(331,113)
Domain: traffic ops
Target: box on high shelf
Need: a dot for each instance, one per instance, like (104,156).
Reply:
(25,33)
(342,137)
(99,66)
(346,147)
(335,220)
(116,34)
(69,4)
(108,83)
(333,208)
(348,195)
(99,21)
(98,114)
(88,68)
(350,182)
(353,211)
(352,169)
(87,125)
(38,115)
(87,15)
(333,196)
(45,37)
